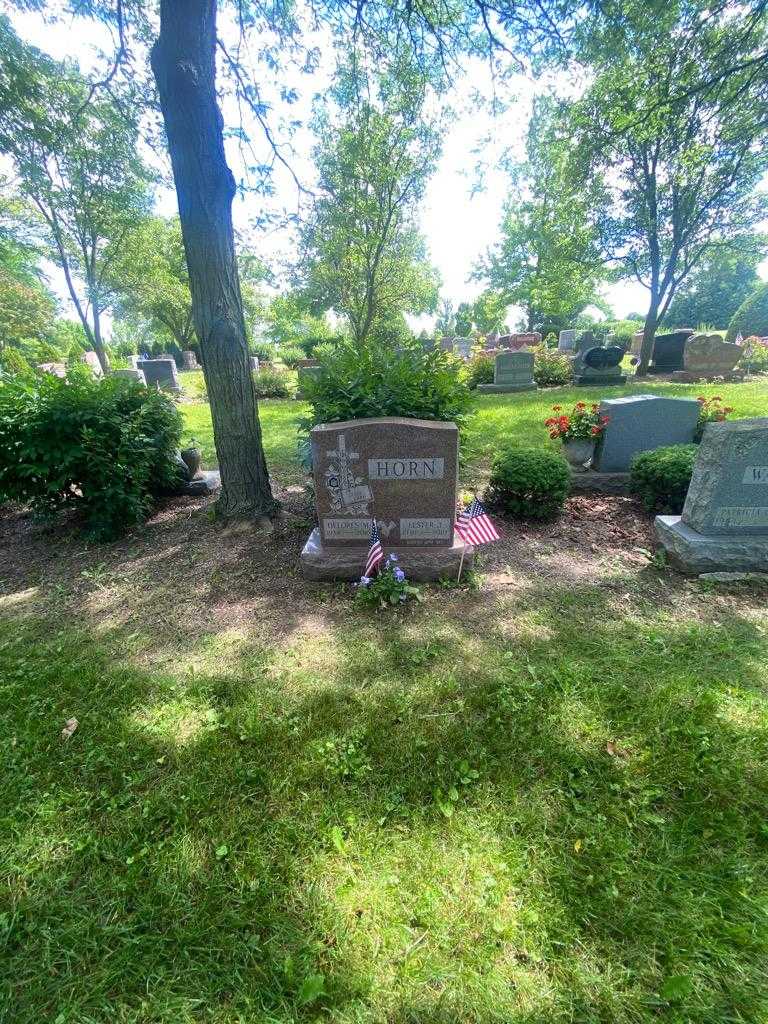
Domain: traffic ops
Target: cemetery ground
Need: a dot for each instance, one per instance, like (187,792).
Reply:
(541,799)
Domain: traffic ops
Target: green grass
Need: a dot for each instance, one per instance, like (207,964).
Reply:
(557,817)
(496,421)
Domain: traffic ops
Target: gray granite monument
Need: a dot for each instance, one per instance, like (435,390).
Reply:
(724,525)
(512,371)
(566,341)
(160,373)
(189,360)
(402,471)
(594,364)
(129,374)
(639,423)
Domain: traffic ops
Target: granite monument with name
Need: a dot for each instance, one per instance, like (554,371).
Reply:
(189,360)
(403,472)
(159,373)
(724,524)
(669,351)
(512,371)
(639,423)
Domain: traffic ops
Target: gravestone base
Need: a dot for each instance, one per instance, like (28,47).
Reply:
(504,389)
(430,562)
(588,481)
(693,552)
(586,380)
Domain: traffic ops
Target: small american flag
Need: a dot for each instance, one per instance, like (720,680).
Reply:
(375,553)
(474,526)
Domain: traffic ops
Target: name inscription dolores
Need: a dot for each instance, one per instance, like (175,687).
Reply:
(755,475)
(406,469)
(741,515)
(347,529)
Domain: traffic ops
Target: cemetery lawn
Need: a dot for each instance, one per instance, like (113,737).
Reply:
(540,800)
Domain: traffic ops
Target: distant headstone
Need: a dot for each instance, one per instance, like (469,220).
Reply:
(518,341)
(254,363)
(491,341)
(446,344)
(310,369)
(131,374)
(463,347)
(594,364)
(160,372)
(639,423)
(512,371)
(91,360)
(708,356)
(668,351)
(428,344)
(724,525)
(566,341)
(637,343)
(56,369)
(402,471)
(189,361)
(134,361)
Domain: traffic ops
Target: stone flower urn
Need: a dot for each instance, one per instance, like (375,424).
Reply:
(579,451)
(192,457)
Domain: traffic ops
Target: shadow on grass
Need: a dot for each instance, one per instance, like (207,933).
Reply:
(445,823)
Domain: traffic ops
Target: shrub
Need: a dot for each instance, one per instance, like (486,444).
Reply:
(711,410)
(531,483)
(324,349)
(661,477)
(479,370)
(551,368)
(751,317)
(291,355)
(551,340)
(755,358)
(106,448)
(275,383)
(263,350)
(374,381)
(13,362)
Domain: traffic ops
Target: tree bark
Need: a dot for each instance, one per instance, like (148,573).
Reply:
(649,336)
(184,66)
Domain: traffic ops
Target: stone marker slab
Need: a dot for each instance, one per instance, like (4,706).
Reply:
(254,360)
(639,423)
(566,341)
(129,374)
(56,369)
(724,524)
(402,471)
(160,372)
(419,562)
(707,355)
(463,347)
(512,371)
(189,360)
(595,364)
(669,351)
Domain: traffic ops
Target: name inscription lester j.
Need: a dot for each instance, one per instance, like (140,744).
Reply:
(425,529)
(406,469)
(755,475)
(741,515)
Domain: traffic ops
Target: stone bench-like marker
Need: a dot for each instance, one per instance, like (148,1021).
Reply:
(724,525)
(402,471)
(159,372)
(512,371)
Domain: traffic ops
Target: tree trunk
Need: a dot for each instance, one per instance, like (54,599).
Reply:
(98,341)
(184,66)
(649,335)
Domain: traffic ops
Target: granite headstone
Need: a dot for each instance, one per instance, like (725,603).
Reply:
(402,471)
(159,372)
(189,360)
(91,360)
(566,341)
(724,524)
(669,350)
(512,371)
(707,355)
(131,374)
(639,423)
(594,364)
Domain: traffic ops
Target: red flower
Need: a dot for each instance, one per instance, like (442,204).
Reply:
(595,430)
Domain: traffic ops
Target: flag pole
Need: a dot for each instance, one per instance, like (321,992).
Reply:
(461,562)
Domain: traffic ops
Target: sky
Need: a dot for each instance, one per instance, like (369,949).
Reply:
(459,223)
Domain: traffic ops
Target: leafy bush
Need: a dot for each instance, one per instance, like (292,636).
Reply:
(755,358)
(551,368)
(551,340)
(274,383)
(373,381)
(13,362)
(622,331)
(264,350)
(711,410)
(479,370)
(106,448)
(751,317)
(661,477)
(291,356)
(531,483)
(324,349)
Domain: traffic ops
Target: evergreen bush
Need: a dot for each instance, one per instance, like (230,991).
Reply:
(751,317)
(479,370)
(529,483)
(661,477)
(551,368)
(272,383)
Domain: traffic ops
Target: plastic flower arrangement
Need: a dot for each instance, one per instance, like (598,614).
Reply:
(389,587)
(583,423)
(711,410)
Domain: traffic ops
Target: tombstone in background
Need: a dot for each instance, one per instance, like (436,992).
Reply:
(134,361)
(668,351)
(91,360)
(512,371)
(254,363)
(446,344)
(514,342)
(491,341)
(159,373)
(189,360)
(566,341)
(639,423)
(724,525)
(636,344)
(308,368)
(55,369)
(463,347)
(131,374)
(594,364)
(402,471)
(707,356)
(428,344)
